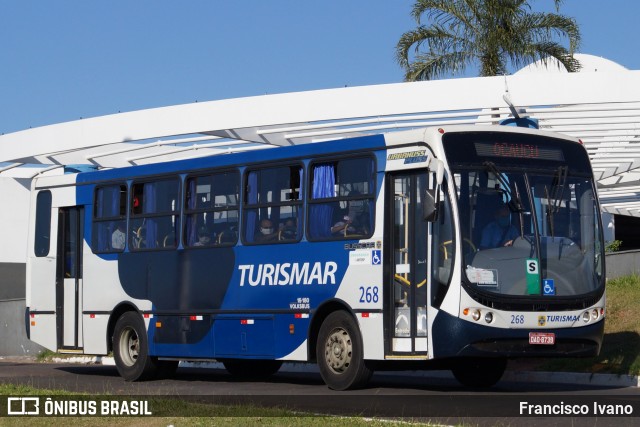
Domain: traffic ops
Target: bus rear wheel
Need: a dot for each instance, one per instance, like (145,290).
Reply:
(339,353)
(479,372)
(131,349)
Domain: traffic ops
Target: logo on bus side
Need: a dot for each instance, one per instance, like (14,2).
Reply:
(409,157)
(287,273)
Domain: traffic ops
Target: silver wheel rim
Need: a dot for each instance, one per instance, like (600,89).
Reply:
(129,346)
(338,350)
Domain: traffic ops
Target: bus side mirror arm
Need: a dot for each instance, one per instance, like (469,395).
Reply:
(439,172)
(431,201)
(437,166)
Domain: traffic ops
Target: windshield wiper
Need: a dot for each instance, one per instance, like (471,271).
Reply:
(515,203)
(520,207)
(554,199)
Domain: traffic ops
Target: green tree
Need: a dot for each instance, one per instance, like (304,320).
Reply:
(491,34)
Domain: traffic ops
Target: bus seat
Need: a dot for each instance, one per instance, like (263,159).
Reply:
(227,236)
(169,240)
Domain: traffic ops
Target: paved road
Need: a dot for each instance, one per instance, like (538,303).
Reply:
(387,395)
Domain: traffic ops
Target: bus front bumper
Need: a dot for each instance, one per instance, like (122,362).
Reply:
(453,337)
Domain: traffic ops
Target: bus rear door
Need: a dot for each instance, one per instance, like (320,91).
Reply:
(69,278)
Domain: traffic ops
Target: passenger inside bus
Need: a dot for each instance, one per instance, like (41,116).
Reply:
(289,230)
(500,231)
(118,237)
(266,232)
(352,220)
(204,239)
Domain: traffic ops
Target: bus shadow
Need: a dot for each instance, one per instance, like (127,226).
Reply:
(619,355)
(444,384)
(414,381)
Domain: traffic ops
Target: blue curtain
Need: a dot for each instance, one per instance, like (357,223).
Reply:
(149,206)
(192,227)
(321,215)
(252,198)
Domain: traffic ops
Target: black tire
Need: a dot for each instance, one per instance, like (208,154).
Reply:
(131,349)
(479,372)
(244,368)
(339,353)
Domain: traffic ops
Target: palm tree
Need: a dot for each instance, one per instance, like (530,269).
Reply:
(491,33)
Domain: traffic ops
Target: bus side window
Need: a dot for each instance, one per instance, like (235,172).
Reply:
(43,224)
(444,248)
(211,210)
(155,214)
(109,229)
(341,202)
(272,205)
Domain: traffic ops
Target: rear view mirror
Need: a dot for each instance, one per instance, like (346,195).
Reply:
(430,205)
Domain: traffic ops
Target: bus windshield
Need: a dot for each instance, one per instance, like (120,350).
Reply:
(529,219)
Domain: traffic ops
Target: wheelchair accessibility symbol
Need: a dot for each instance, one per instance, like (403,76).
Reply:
(548,287)
(376,257)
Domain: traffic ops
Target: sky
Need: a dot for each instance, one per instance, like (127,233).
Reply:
(69,59)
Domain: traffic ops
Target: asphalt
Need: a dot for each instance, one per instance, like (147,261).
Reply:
(514,371)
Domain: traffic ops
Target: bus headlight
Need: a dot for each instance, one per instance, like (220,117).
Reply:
(594,314)
(488,317)
(586,316)
(476,315)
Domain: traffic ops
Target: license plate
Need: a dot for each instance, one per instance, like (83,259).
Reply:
(542,338)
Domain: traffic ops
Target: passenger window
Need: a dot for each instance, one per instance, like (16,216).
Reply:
(42,239)
(211,210)
(109,232)
(342,202)
(273,205)
(155,215)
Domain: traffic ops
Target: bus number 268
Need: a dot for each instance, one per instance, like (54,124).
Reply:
(369,294)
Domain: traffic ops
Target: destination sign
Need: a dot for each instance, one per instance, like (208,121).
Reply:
(518,151)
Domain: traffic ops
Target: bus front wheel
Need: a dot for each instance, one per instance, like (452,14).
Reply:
(131,349)
(339,353)
(479,372)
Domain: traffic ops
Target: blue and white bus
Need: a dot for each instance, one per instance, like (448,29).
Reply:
(359,254)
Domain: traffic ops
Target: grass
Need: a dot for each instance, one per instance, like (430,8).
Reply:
(46,355)
(202,414)
(620,352)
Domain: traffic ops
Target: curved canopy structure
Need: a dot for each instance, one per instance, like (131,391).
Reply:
(600,105)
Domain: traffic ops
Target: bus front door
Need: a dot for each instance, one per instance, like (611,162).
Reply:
(407,295)
(69,279)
